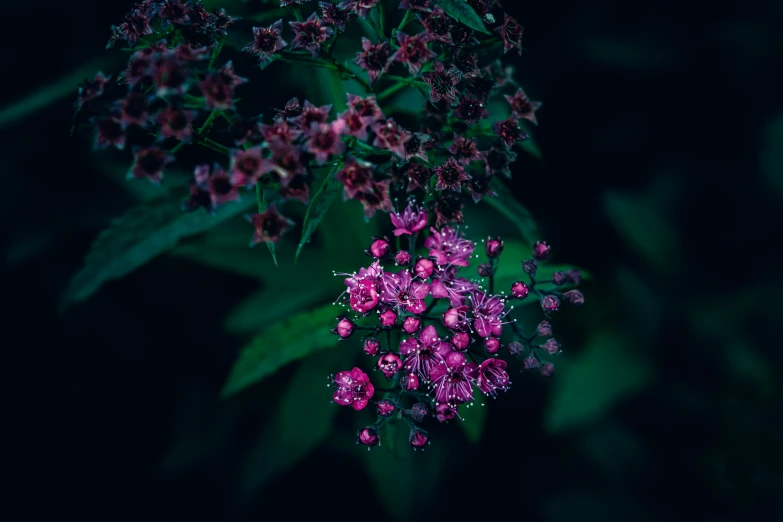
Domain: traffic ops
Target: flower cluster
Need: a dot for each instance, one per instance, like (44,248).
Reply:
(436,334)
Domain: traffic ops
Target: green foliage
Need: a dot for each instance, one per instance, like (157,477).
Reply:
(463,13)
(392,468)
(473,420)
(319,205)
(135,238)
(514,211)
(509,269)
(285,342)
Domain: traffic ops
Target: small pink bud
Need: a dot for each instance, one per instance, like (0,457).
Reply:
(410,382)
(559,277)
(423,268)
(444,412)
(411,324)
(453,319)
(460,340)
(541,250)
(389,364)
(491,345)
(386,408)
(368,436)
(419,439)
(544,329)
(388,318)
(574,276)
(419,411)
(493,247)
(515,349)
(519,290)
(529,266)
(530,363)
(574,298)
(379,248)
(551,346)
(344,328)
(402,258)
(547,369)
(484,270)
(371,346)
(550,303)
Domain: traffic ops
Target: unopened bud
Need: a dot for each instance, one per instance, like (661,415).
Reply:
(484,270)
(388,318)
(379,248)
(519,290)
(541,250)
(419,411)
(386,408)
(368,436)
(411,324)
(493,247)
(344,328)
(574,298)
(402,258)
(551,346)
(529,266)
(550,303)
(515,348)
(492,345)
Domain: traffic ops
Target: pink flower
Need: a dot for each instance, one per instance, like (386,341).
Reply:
(356,176)
(266,42)
(310,34)
(379,247)
(353,389)
(354,123)
(389,364)
(412,220)
(493,247)
(401,291)
(487,314)
(451,175)
(509,132)
(418,438)
(149,163)
(453,380)
(363,6)
(369,435)
(279,131)
(425,353)
(456,319)
(210,189)
(471,109)
(464,150)
(452,288)
(371,346)
(402,258)
(449,247)
(388,318)
(310,114)
(522,107)
(511,33)
(423,268)
(541,250)
(411,324)
(366,107)
(247,165)
(550,303)
(410,382)
(175,123)
(519,290)
(325,140)
(389,135)
(269,225)
(375,58)
(492,345)
(413,51)
(285,162)
(345,328)
(386,408)
(375,196)
(444,412)
(492,377)
(337,15)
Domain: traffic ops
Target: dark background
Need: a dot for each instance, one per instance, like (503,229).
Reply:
(662,138)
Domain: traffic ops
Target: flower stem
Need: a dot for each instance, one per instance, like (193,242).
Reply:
(216,52)
(382,19)
(390,91)
(405,19)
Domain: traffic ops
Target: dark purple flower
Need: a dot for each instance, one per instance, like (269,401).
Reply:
(423,354)
(418,438)
(448,209)
(386,408)
(573,276)
(509,131)
(247,165)
(464,149)
(170,75)
(149,163)
(487,314)
(172,11)
(369,435)
(375,197)
(337,14)
(445,412)
(109,132)
(401,291)
(218,87)
(530,363)
(410,221)
(411,324)
(389,364)
(442,82)
(389,135)
(134,109)
(185,53)
(519,290)
(366,107)
(210,189)
(471,109)
(388,318)
(492,377)
(379,247)
(419,411)
(310,34)
(463,36)
(493,247)
(356,176)
(467,64)
(285,162)
(423,268)
(498,161)
(345,328)
(522,107)
(449,247)
(481,87)
(511,32)
(269,225)
(353,389)
(363,7)
(438,26)
(175,123)
(418,177)
(311,114)
(296,186)
(402,258)
(551,346)
(515,349)
(279,131)
(325,140)
(415,146)
(293,109)
(550,303)
(541,250)
(266,41)
(479,186)
(451,175)
(354,123)
(371,346)
(91,89)
(547,369)
(574,298)
(484,269)
(530,266)
(374,58)
(415,5)
(559,277)
(136,24)
(413,51)
(453,378)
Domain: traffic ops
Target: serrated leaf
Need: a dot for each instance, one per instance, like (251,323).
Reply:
(474,418)
(319,205)
(514,211)
(463,13)
(137,237)
(283,343)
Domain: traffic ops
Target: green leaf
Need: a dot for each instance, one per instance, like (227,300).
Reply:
(254,313)
(319,205)
(463,13)
(285,342)
(588,385)
(392,468)
(137,237)
(473,419)
(513,210)
(262,205)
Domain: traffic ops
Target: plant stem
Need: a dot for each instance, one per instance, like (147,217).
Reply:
(405,19)
(390,91)
(382,19)
(297,13)
(216,52)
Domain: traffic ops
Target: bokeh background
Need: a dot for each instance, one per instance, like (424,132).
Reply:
(661,174)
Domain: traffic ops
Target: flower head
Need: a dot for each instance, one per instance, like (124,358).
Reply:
(402,291)
(218,87)
(492,376)
(269,225)
(266,41)
(149,163)
(413,51)
(449,247)
(175,123)
(511,33)
(509,132)
(353,389)
(418,438)
(337,15)
(442,82)
(438,26)
(464,149)
(389,364)
(487,313)
(325,140)
(363,7)
(310,34)
(389,135)
(471,109)
(369,435)
(366,107)
(522,107)
(423,354)
(247,165)
(310,114)
(410,221)
(451,175)
(453,380)
(354,123)
(374,58)
(356,176)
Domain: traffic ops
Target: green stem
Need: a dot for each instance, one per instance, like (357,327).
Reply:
(203,129)
(382,19)
(405,19)
(390,91)
(408,81)
(297,13)
(216,52)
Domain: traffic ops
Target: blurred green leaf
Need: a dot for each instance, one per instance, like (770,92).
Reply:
(254,313)
(392,468)
(463,13)
(319,205)
(285,342)
(473,420)
(137,237)
(588,385)
(513,210)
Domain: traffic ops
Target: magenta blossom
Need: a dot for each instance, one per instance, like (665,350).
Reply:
(423,268)
(455,289)
(487,314)
(368,436)
(353,389)
(453,380)
(375,58)
(310,114)
(247,165)
(310,34)
(388,318)
(425,353)
(389,135)
(379,247)
(412,220)
(266,42)
(325,140)
(444,412)
(413,51)
(456,319)
(492,377)
(449,247)
(354,123)
(366,107)
(385,408)
(210,189)
(389,364)
(279,131)
(402,291)
(471,109)
(509,131)
(438,26)
(418,438)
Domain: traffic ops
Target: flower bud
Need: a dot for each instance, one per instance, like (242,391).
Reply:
(574,276)
(444,412)
(493,247)
(529,266)
(419,411)
(484,270)
(344,328)
(418,438)
(379,248)
(559,277)
(530,363)
(519,290)
(389,364)
(541,250)
(515,348)
(411,324)
(492,345)
(547,369)
(386,408)
(544,329)
(388,318)
(460,340)
(550,303)
(551,346)
(574,298)
(454,319)
(371,346)
(410,382)
(402,258)
(368,436)
(423,268)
